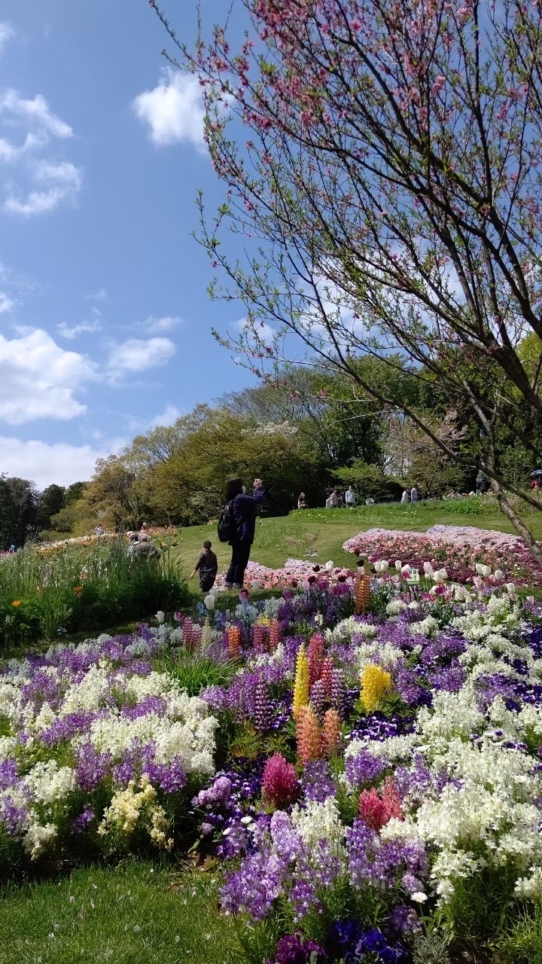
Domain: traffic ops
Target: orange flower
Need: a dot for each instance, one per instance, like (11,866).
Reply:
(78,589)
(16,602)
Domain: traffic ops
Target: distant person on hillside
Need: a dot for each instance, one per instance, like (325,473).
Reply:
(333,500)
(12,549)
(144,527)
(207,566)
(242,509)
(481,483)
(301,502)
(99,530)
(350,497)
(413,494)
(144,549)
(404,497)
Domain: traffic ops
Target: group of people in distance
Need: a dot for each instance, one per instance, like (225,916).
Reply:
(334,499)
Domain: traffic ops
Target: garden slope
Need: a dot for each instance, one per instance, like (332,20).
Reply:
(323,531)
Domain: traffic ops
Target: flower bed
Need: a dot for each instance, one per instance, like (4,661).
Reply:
(385,773)
(295,573)
(367,771)
(96,744)
(459,548)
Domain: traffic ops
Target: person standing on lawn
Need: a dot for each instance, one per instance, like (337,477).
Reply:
(404,497)
(207,566)
(243,510)
(413,494)
(350,497)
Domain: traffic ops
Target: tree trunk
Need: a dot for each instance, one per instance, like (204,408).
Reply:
(508,510)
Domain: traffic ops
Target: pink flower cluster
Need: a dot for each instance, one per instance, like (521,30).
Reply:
(457,548)
(377,810)
(295,572)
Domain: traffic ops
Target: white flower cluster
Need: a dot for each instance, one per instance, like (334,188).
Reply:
(107,697)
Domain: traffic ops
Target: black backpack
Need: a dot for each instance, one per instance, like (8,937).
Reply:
(226,524)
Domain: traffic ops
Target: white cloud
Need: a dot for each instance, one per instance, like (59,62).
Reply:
(99,295)
(34,112)
(6,303)
(92,324)
(61,182)
(50,182)
(39,379)
(7,32)
(173,110)
(44,464)
(138,355)
(168,417)
(154,325)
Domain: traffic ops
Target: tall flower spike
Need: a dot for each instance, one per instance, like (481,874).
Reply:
(207,636)
(375,685)
(309,736)
(331,736)
(279,784)
(258,634)
(263,710)
(362,593)
(315,656)
(338,692)
(327,675)
(274,634)
(234,641)
(188,633)
(197,634)
(318,698)
(301,684)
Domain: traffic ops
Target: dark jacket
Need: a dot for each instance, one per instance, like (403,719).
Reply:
(244,509)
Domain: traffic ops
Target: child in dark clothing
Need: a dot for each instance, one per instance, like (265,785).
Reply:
(207,566)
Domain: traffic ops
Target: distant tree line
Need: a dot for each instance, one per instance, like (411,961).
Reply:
(25,512)
(307,431)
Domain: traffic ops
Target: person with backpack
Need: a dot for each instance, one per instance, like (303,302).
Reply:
(236,526)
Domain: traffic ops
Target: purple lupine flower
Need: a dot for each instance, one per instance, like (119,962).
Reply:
(318,698)
(263,711)
(338,692)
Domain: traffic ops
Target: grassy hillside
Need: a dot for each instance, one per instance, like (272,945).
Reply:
(323,531)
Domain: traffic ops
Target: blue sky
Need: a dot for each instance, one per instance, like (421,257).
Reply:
(104,315)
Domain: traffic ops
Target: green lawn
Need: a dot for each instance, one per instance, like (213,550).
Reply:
(139,913)
(325,530)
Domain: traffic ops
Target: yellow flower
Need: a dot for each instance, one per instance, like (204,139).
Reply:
(16,602)
(301,684)
(375,684)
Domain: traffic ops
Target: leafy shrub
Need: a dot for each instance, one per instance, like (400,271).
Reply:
(83,588)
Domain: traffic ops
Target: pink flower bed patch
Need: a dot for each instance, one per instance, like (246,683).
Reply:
(457,548)
(295,572)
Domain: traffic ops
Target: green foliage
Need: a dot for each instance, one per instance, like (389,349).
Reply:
(522,944)
(194,672)
(431,947)
(83,588)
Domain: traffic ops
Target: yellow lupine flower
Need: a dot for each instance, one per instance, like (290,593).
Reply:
(375,684)
(301,684)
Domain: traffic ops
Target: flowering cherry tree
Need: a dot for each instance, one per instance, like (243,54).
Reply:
(390,186)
